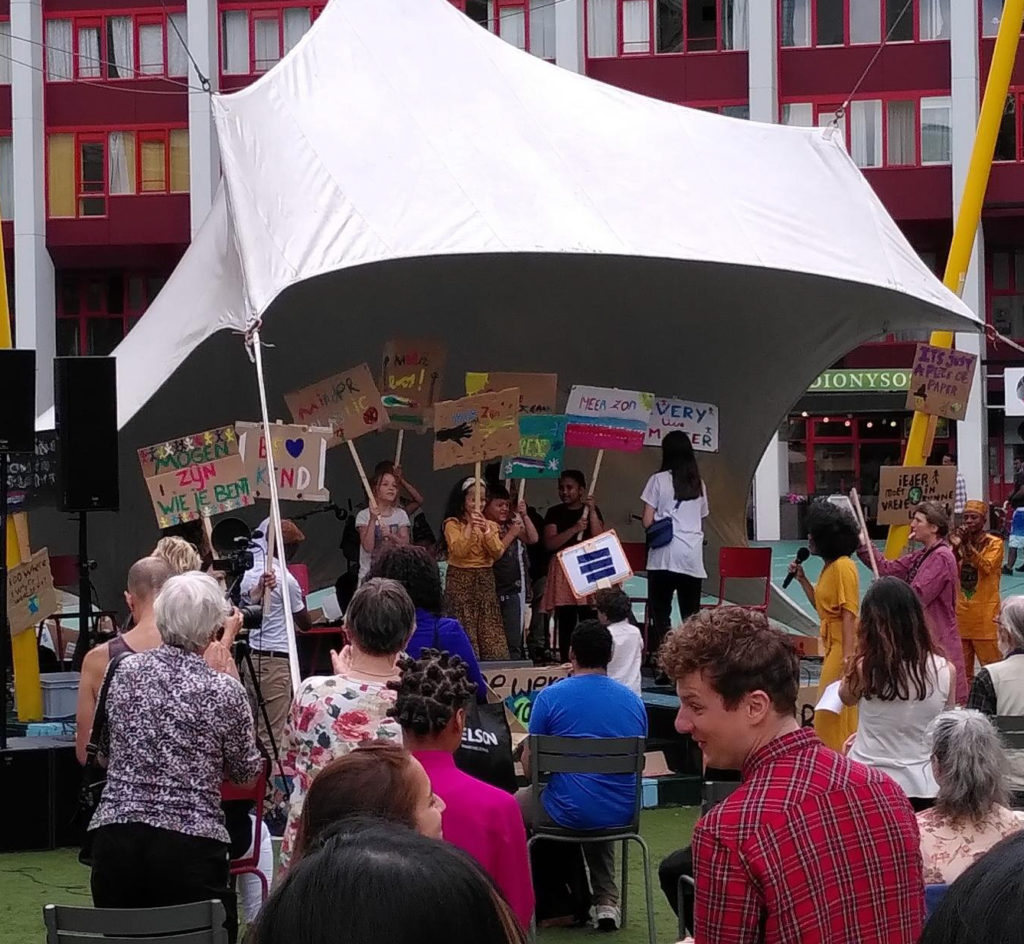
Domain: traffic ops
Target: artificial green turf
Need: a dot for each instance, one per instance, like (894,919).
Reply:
(29,880)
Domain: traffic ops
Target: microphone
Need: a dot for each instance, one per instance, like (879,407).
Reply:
(801,555)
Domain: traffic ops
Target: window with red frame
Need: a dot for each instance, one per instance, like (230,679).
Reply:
(128,45)
(902,131)
(253,38)
(856,22)
(526,24)
(85,168)
(1006,291)
(1008,142)
(644,27)
(5,52)
(96,309)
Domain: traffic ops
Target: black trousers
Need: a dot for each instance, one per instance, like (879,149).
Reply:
(661,584)
(139,866)
(566,618)
(673,866)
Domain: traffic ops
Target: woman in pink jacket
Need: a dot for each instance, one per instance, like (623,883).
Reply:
(933,575)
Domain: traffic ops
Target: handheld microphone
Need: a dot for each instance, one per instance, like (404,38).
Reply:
(801,555)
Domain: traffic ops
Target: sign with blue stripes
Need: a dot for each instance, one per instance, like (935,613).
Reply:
(595,564)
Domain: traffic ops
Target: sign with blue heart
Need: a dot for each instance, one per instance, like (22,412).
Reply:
(299,455)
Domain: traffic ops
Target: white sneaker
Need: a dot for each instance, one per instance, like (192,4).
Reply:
(608,917)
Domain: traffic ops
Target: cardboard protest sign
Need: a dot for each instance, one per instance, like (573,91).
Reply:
(595,564)
(940,383)
(411,377)
(537,392)
(32,478)
(348,403)
(196,449)
(191,493)
(901,489)
(475,429)
(1013,391)
(509,683)
(606,418)
(541,449)
(698,420)
(299,454)
(30,594)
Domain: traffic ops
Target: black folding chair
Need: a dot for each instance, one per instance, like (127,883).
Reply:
(1011,730)
(566,755)
(198,923)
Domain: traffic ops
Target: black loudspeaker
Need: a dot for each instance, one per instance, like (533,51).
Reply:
(85,395)
(40,779)
(18,396)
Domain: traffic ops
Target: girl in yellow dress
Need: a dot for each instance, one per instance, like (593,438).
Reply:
(833,535)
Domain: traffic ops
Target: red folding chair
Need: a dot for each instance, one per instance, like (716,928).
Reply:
(301,573)
(745,563)
(636,557)
(255,794)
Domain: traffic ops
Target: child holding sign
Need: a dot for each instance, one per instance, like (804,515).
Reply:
(383,523)
(470,596)
(575,519)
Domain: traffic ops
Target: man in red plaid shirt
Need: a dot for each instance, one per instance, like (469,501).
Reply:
(812,847)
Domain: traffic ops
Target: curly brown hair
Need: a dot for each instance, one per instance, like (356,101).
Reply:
(432,688)
(737,651)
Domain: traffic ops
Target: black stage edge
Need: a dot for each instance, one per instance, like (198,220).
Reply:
(39,784)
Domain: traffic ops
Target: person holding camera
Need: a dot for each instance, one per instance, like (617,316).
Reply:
(268,643)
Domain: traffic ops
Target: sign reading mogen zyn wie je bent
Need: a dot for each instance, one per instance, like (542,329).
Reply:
(880,380)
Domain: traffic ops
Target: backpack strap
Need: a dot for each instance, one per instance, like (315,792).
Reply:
(99,718)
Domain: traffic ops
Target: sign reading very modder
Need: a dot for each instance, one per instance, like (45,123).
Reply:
(699,421)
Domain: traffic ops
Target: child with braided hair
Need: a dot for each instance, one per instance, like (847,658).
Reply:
(432,696)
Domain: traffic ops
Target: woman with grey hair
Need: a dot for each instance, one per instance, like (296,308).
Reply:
(332,715)
(970,814)
(999,687)
(174,729)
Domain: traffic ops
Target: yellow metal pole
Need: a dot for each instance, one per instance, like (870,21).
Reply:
(28,693)
(989,120)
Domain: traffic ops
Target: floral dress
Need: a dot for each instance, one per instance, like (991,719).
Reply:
(330,716)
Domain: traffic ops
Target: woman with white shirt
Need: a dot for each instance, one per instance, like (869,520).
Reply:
(900,683)
(675,506)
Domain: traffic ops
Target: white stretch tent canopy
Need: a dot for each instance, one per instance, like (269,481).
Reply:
(403,171)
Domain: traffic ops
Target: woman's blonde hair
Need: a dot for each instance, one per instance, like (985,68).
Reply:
(181,556)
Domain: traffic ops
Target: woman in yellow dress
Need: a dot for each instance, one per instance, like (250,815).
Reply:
(833,535)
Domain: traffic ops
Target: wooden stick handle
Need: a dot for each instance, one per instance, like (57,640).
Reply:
(268,564)
(859,513)
(522,491)
(398,448)
(593,480)
(361,471)
(477,484)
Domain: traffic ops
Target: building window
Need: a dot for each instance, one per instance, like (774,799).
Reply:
(96,309)
(1006,292)
(854,22)
(640,27)
(253,40)
(5,52)
(884,132)
(85,168)
(6,178)
(115,47)
(991,14)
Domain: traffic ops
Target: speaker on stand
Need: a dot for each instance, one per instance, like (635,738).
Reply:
(17,434)
(85,394)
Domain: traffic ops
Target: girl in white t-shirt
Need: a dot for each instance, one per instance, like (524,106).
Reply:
(676,493)
(384,522)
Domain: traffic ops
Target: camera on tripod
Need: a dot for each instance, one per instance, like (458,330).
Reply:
(233,546)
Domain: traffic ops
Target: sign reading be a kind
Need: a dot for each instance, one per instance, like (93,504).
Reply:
(299,454)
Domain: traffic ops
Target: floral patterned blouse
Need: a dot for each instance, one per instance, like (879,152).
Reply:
(331,715)
(948,848)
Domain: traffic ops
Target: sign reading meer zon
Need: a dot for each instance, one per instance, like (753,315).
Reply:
(195,476)
(901,489)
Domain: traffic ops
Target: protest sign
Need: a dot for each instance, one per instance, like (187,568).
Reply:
(901,489)
(348,403)
(299,454)
(508,683)
(940,383)
(475,429)
(411,376)
(200,490)
(1013,391)
(541,449)
(32,477)
(605,418)
(30,594)
(699,421)
(196,449)
(595,564)
(537,392)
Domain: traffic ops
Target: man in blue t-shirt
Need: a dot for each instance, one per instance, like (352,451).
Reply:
(588,705)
